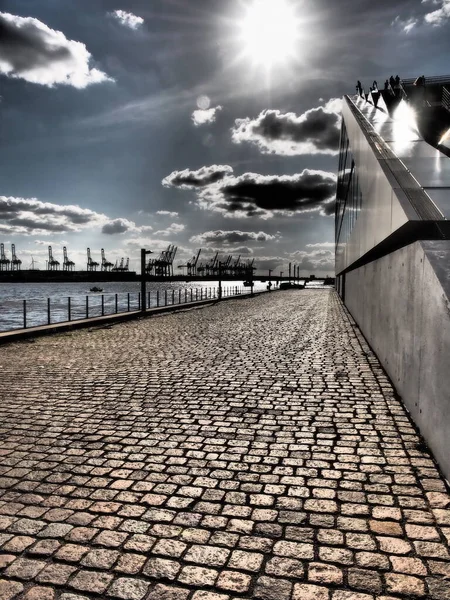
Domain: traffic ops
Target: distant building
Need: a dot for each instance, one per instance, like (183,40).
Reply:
(393,241)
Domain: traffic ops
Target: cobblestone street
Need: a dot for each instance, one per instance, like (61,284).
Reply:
(248,449)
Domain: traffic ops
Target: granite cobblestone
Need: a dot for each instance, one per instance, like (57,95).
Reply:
(248,449)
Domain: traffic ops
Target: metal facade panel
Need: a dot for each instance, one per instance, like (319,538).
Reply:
(441,197)
(392,183)
(379,205)
(430,171)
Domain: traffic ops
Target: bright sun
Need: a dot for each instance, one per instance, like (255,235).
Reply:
(269,31)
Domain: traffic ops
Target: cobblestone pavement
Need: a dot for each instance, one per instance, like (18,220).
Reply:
(250,449)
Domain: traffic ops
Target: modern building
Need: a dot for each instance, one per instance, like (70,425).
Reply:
(393,240)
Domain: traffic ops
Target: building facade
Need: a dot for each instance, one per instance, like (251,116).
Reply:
(393,244)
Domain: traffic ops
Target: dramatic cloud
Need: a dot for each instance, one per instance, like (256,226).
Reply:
(167,213)
(200,117)
(118,226)
(31,216)
(314,132)
(231,237)
(173,229)
(32,51)
(252,194)
(189,180)
(439,16)
(127,19)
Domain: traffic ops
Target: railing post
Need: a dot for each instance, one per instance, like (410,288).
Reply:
(69,309)
(103,305)
(116,302)
(24,314)
(173,296)
(48,312)
(157,298)
(128,301)
(185,295)
(179,296)
(148,300)
(87,307)
(165,297)
(143,255)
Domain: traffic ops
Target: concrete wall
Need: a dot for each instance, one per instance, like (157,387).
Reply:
(401,303)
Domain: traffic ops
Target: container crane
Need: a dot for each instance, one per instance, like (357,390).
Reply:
(91,264)
(5,263)
(106,265)
(52,264)
(68,265)
(15,262)
(163,265)
(191,265)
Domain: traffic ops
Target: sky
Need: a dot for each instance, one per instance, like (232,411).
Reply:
(200,123)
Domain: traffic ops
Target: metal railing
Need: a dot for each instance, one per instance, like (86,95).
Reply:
(22,314)
(439,79)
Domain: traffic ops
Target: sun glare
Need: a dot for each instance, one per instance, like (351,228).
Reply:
(269,31)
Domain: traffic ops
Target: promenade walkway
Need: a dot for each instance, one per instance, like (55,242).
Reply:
(249,449)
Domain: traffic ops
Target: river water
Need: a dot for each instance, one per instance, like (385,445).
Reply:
(39,296)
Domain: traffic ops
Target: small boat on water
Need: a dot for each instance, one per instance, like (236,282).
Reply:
(96,289)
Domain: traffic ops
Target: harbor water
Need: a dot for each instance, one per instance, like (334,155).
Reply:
(52,299)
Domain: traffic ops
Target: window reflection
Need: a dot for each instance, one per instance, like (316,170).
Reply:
(348,194)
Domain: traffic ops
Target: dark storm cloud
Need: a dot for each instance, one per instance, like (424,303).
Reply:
(30,216)
(252,194)
(189,180)
(314,132)
(255,195)
(30,50)
(231,237)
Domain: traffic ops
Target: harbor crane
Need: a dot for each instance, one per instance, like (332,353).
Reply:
(52,263)
(122,268)
(91,264)
(163,265)
(15,262)
(5,263)
(191,265)
(68,265)
(106,265)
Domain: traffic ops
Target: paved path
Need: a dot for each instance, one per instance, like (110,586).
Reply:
(250,449)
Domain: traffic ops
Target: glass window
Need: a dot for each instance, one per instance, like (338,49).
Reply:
(348,193)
